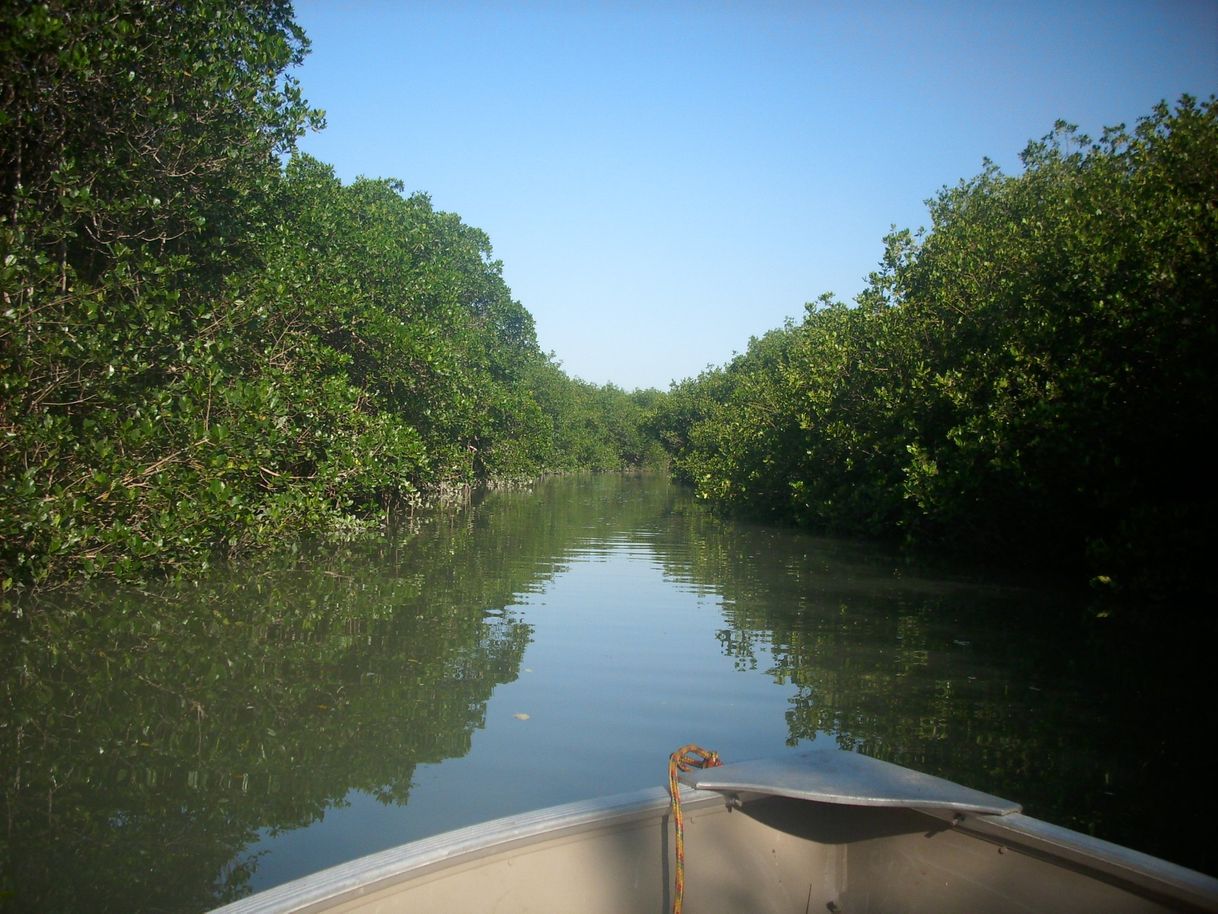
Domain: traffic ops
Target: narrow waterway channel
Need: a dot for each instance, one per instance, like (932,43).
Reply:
(169,749)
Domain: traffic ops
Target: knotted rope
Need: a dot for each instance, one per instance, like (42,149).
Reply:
(684,759)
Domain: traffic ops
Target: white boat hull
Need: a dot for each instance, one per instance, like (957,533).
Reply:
(752,852)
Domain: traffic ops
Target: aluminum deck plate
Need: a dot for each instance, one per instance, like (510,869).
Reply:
(835,776)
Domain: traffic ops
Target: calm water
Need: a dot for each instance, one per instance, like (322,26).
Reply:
(170,750)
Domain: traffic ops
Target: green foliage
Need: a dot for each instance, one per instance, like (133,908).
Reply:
(1079,299)
(131,125)
(139,151)
(1027,381)
(593,427)
(202,351)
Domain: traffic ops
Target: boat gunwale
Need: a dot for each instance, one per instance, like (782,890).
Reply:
(366,875)
(1141,873)
(1152,876)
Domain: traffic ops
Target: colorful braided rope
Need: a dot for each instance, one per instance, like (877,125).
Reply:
(684,759)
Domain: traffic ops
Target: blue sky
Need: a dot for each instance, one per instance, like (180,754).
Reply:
(664,180)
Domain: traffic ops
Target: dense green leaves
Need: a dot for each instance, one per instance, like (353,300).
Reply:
(139,151)
(204,350)
(1029,380)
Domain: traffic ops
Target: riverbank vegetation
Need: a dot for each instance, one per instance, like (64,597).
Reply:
(209,343)
(204,349)
(1030,380)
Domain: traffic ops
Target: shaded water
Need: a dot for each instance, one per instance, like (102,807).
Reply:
(169,750)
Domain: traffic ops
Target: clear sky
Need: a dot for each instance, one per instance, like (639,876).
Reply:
(664,180)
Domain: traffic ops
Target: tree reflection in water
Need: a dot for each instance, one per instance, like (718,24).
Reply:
(149,738)
(1011,688)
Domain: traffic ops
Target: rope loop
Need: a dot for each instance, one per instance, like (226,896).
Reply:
(685,758)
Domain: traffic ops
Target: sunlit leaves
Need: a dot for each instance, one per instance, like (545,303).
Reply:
(1024,381)
(203,350)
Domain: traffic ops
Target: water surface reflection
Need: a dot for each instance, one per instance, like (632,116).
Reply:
(169,750)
